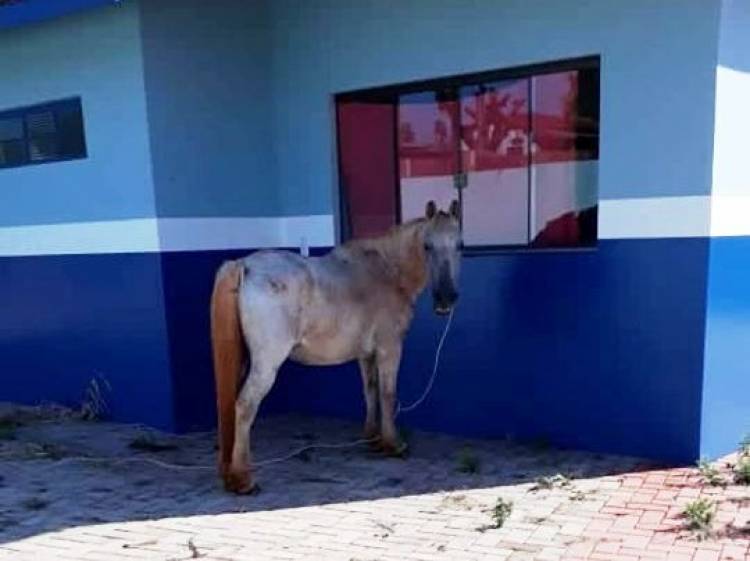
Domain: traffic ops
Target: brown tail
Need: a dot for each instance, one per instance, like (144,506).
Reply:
(228,352)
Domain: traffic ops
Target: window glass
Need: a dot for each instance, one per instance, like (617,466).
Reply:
(519,150)
(565,151)
(427,152)
(42,133)
(495,158)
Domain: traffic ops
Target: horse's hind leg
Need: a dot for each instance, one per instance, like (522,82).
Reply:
(259,382)
(270,344)
(369,370)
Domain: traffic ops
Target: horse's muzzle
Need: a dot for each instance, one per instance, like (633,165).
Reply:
(443,303)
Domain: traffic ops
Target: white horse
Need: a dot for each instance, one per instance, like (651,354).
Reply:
(355,303)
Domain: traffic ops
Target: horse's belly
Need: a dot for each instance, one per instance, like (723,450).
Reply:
(322,355)
(326,350)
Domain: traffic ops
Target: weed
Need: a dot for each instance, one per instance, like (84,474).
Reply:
(35,503)
(744,447)
(501,512)
(578,495)
(147,443)
(194,552)
(742,471)
(94,406)
(700,515)
(404,435)
(46,451)
(711,474)
(540,444)
(8,429)
(468,462)
(547,482)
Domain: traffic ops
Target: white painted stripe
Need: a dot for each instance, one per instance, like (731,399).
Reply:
(166,234)
(660,217)
(730,215)
(116,236)
(664,217)
(196,234)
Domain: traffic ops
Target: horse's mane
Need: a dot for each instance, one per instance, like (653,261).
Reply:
(400,248)
(394,233)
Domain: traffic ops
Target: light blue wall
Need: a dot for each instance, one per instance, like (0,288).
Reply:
(95,55)
(726,385)
(658,63)
(208,86)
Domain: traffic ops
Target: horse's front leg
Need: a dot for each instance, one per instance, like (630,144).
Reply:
(369,370)
(388,361)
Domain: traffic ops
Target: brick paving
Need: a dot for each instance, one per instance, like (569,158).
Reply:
(347,504)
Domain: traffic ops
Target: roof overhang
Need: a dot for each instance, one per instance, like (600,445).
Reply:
(15,13)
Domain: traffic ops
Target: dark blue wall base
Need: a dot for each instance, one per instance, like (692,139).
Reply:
(726,393)
(188,282)
(66,320)
(601,350)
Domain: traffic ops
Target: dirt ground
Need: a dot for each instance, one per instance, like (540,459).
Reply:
(69,489)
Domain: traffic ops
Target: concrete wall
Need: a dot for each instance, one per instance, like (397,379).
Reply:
(80,299)
(95,55)
(657,77)
(208,89)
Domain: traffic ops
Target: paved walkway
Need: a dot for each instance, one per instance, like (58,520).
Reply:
(346,504)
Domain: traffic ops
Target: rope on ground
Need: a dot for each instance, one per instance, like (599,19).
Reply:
(181,467)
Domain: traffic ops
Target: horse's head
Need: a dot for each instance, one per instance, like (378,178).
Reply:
(442,246)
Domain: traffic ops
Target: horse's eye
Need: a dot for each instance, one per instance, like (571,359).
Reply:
(427,247)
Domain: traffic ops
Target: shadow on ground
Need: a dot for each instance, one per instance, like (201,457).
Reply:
(43,488)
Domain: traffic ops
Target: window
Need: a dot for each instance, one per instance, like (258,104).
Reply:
(519,148)
(50,132)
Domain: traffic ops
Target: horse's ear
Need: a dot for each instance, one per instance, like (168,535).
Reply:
(455,209)
(431,210)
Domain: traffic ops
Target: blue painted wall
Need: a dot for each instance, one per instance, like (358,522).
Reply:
(726,393)
(601,350)
(657,77)
(96,55)
(207,72)
(68,319)
(188,282)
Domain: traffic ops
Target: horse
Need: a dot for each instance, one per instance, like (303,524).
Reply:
(354,303)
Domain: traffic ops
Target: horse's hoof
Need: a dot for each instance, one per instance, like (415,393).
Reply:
(395,449)
(240,482)
(372,435)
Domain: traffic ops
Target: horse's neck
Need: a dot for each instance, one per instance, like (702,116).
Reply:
(403,248)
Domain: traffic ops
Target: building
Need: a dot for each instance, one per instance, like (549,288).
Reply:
(598,148)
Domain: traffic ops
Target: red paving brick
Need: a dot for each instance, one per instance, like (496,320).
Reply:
(646,523)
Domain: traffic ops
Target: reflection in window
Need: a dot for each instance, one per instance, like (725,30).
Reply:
(12,145)
(519,151)
(427,155)
(367,171)
(565,129)
(494,154)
